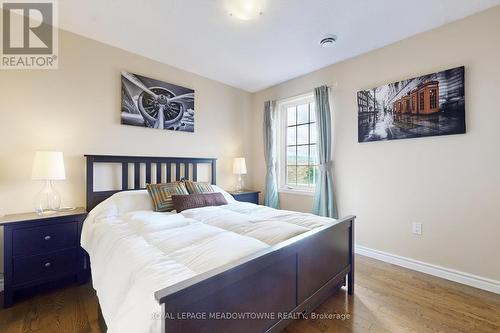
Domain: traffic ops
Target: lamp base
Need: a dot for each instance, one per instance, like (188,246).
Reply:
(48,201)
(46,213)
(239,185)
(66,209)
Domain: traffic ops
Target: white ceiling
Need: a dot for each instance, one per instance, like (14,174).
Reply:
(199,36)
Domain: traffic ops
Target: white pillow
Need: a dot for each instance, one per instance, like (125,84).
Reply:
(229,198)
(123,202)
(128,201)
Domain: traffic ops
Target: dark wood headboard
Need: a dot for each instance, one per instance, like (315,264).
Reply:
(96,197)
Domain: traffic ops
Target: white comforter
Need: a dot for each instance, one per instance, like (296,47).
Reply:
(135,251)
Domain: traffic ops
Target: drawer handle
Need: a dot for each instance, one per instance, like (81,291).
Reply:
(48,264)
(47,237)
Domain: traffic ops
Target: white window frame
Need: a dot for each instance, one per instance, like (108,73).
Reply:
(282,107)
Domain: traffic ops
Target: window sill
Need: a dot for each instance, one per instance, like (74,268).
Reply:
(297,191)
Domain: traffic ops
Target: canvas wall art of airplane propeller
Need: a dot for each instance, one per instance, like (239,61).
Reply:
(156,104)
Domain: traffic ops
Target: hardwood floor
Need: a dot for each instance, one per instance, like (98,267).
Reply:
(68,310)
(387,299)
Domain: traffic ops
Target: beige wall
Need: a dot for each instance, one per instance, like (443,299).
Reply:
(76,109)
(451,184)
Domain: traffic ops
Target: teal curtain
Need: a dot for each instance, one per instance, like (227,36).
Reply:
(324,198)
(271,198)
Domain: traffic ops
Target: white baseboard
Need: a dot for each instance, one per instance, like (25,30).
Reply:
(442,272)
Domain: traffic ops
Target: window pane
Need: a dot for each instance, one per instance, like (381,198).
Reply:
(302,155)
(313,112)
(303,114)
(291,155)
(313,158)
(302,134)
(298,163)
(291,175)
(315,176)
(291,135)
(313,131)
(291,116)
(305,175)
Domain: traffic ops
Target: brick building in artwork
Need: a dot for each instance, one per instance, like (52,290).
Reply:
(421,101)
(367,102)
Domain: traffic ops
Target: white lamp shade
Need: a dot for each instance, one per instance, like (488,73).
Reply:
(239,166)
(48,165)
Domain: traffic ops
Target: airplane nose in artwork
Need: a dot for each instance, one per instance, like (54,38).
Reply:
(162,99)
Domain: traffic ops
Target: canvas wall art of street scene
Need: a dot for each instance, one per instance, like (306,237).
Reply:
(428,105)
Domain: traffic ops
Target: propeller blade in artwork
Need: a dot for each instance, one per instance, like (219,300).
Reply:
(138,83)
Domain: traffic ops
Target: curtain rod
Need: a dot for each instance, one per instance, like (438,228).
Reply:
(303,93)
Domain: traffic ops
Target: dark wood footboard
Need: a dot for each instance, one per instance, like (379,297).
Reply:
(265,291)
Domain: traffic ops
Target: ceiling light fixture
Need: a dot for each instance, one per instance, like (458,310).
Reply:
(328,41)
(245,9)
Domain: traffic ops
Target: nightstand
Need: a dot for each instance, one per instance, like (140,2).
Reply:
(39,250)
(246,196)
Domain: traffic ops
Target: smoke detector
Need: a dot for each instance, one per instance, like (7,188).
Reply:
(328,41)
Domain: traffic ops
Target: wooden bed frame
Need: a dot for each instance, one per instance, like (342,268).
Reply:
(263,292)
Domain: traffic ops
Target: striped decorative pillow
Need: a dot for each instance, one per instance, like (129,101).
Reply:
(162,195)
(198,187)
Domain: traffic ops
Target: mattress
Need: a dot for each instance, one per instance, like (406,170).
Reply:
(135,252)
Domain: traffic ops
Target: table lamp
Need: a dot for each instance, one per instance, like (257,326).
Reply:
(48,166)
(239,168)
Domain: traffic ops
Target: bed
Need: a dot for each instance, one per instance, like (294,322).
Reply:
(233,268)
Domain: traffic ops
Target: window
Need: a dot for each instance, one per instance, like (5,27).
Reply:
(298,165)
(433,98)
(421,101)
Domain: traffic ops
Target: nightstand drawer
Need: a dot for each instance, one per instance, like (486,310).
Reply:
(44,239)
(39,267)
(252,197)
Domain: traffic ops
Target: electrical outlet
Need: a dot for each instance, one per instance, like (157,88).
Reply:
(416,228)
